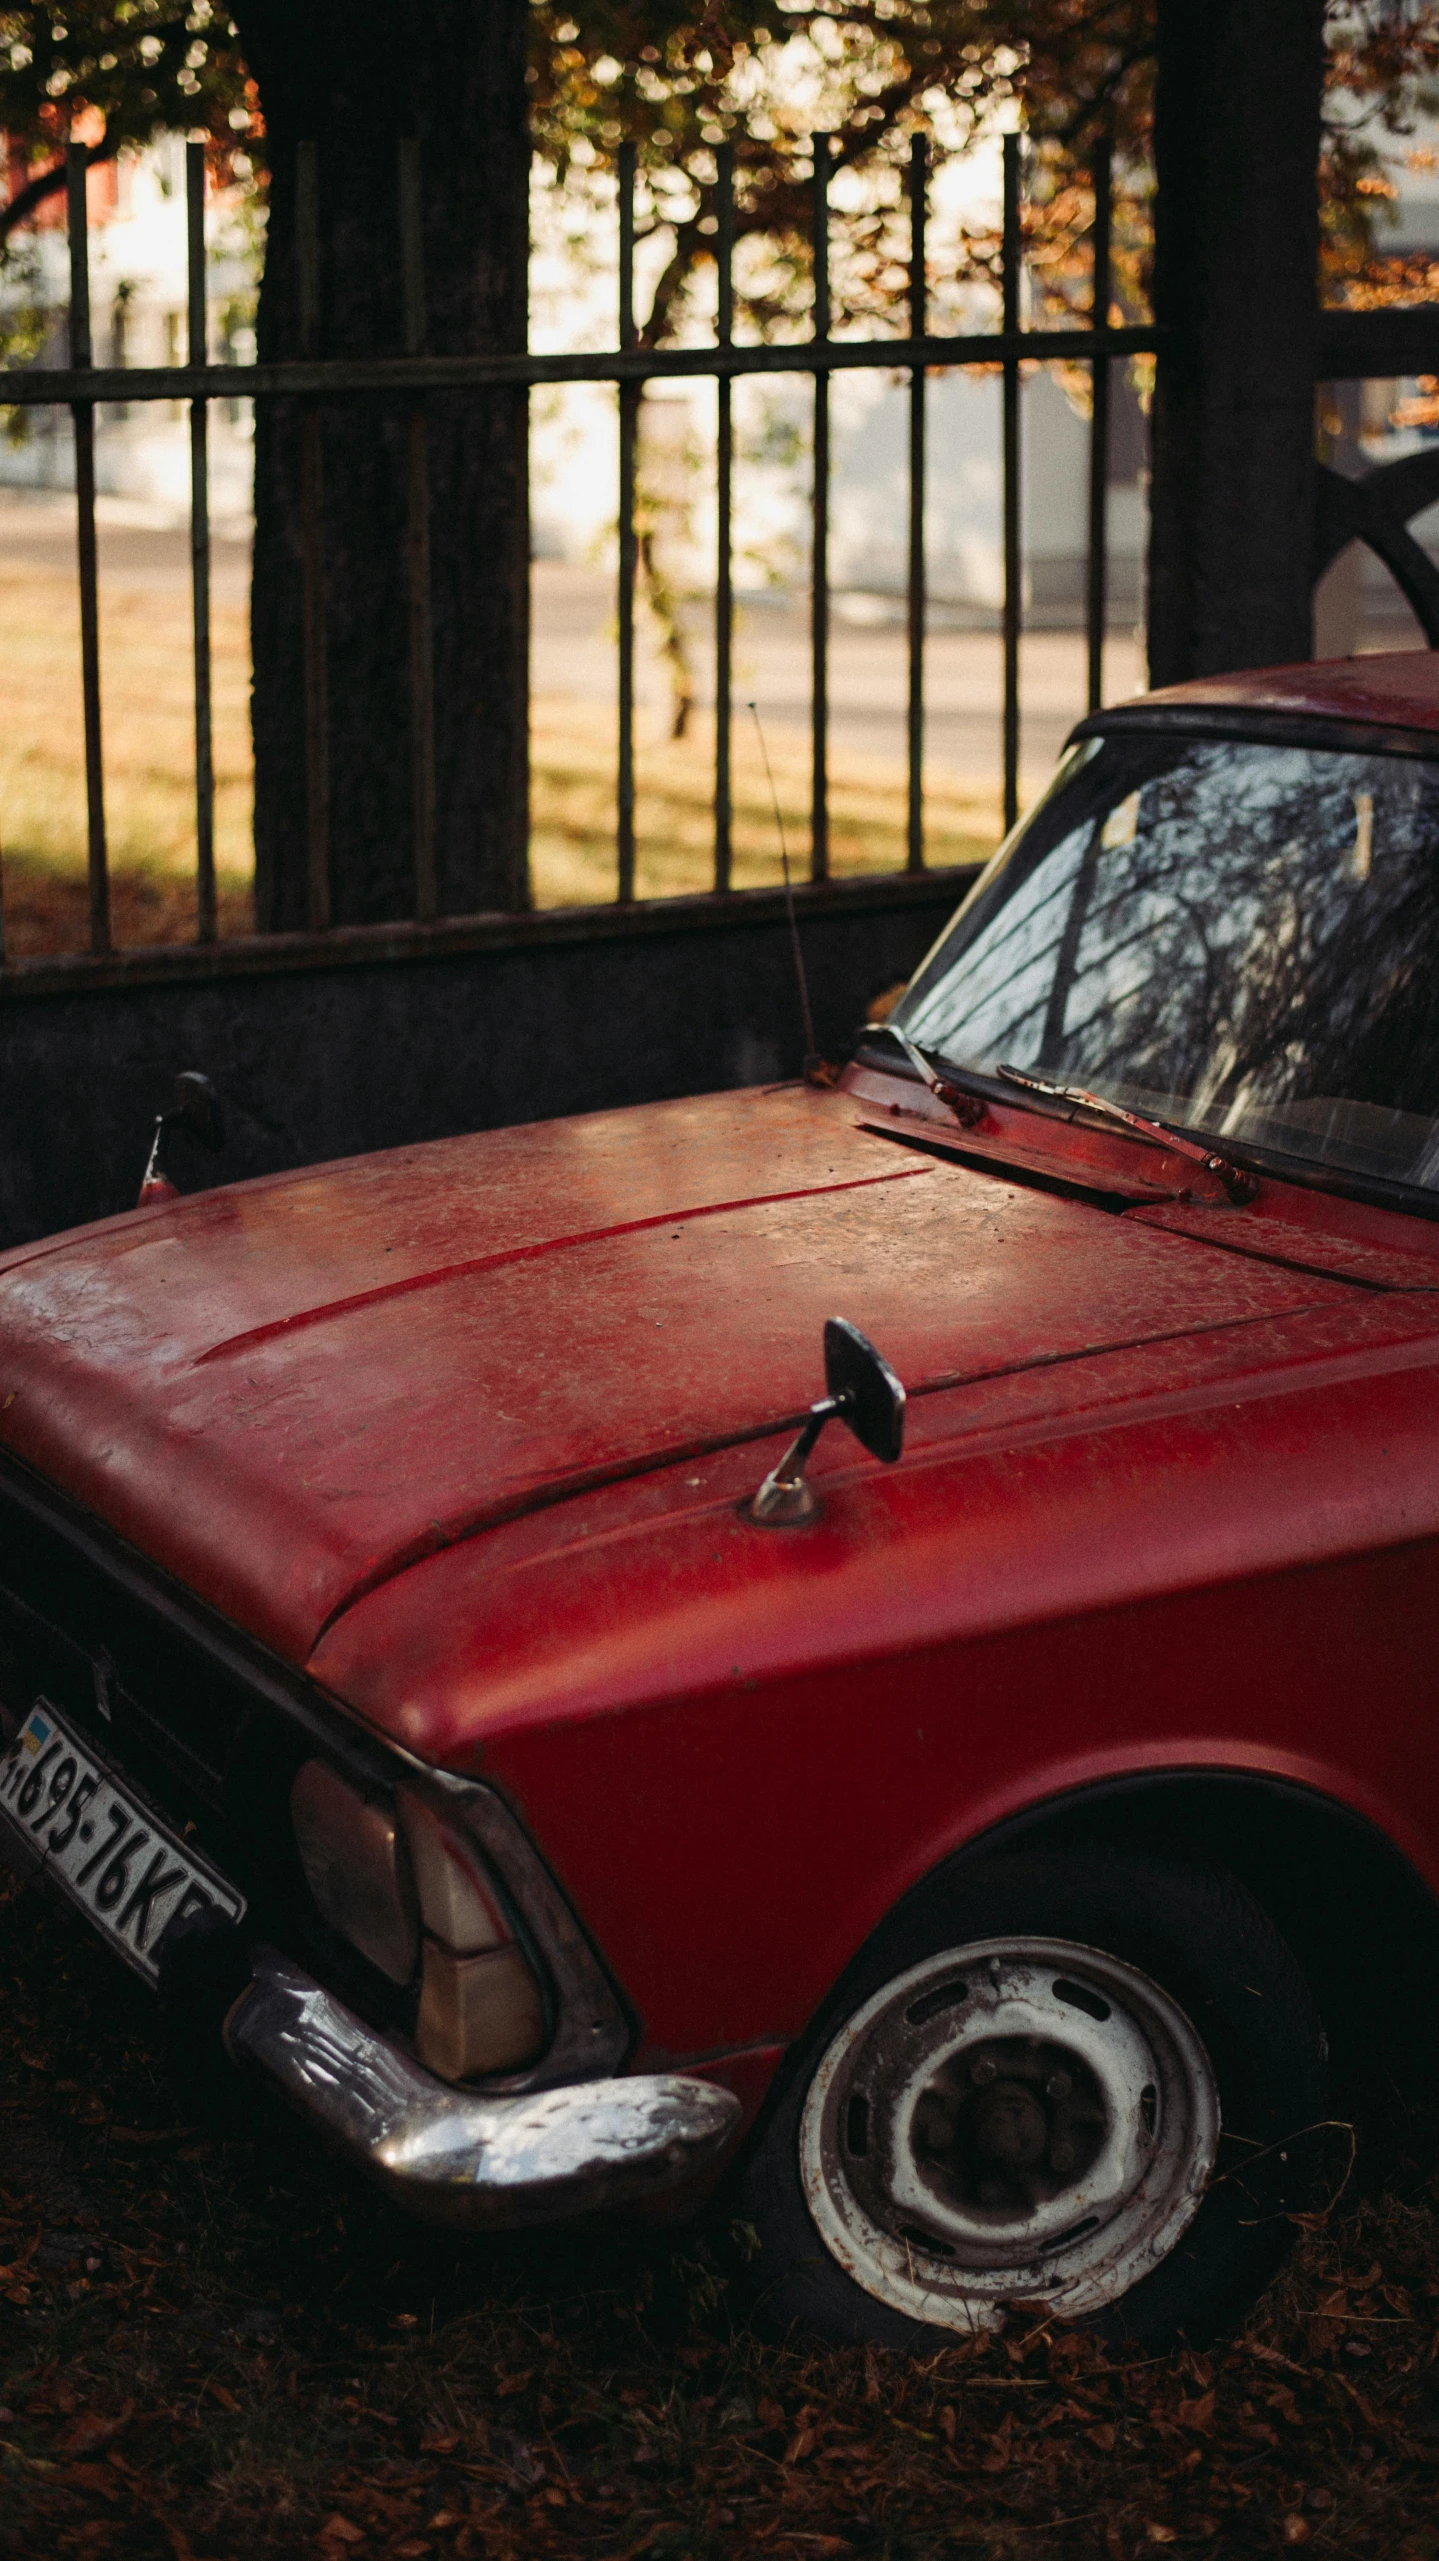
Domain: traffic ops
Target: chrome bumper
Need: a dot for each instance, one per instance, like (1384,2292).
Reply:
(453,2155)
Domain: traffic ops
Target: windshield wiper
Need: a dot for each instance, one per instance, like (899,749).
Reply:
(1239,1185)
(968,1109)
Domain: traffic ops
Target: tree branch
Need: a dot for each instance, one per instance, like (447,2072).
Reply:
(38,191)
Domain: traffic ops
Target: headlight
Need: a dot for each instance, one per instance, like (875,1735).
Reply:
(477,2013)
(377,1870)
(456,1896)
(357,1867)
(480,2006)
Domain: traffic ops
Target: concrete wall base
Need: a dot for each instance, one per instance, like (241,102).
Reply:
(325,1047)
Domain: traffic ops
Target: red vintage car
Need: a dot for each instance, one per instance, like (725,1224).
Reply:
(441,1647)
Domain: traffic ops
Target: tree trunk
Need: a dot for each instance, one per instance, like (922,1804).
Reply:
(1237,138)
(347,834)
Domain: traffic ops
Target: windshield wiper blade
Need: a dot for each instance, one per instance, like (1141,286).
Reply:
(1240,1185)
(968,1109)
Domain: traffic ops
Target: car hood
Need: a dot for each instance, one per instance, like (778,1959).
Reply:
(288,1391)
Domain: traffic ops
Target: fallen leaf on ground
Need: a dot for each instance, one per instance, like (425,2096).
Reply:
(88,2433)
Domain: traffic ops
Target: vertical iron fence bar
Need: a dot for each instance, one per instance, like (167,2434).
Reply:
(312,535)
(628,559)
(819,543)
(198,353)
(417,548)
(918,321)
(1097,585)
(724,492)
(77,162)
(1013,555)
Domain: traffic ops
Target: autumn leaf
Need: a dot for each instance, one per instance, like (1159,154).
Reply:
(93,2476)
(998,2454)
(89,2433)
(379,2440)
(180,2545)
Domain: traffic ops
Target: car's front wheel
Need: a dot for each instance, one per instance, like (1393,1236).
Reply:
(1077,2084)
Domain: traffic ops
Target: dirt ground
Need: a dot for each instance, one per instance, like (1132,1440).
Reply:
(215,2346)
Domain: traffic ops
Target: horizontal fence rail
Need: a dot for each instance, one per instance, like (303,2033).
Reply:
(1352,345)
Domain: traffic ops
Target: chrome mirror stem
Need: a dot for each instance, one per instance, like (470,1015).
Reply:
(786,1500)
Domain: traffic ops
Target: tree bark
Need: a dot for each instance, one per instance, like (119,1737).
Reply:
(1237,135)
(355,78)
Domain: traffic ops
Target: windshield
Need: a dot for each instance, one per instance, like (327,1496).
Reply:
(1237,937)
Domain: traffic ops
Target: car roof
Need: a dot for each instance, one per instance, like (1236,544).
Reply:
(1389,691)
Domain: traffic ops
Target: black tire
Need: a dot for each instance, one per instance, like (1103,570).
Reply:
(1187,1928)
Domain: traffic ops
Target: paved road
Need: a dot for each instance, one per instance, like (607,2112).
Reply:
(574,648)
(868,676)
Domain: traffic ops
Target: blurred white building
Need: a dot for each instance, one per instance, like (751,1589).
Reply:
(138,298)
(138,301)
(138,304)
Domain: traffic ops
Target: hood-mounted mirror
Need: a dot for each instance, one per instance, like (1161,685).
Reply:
(196,1109)
(865,1394)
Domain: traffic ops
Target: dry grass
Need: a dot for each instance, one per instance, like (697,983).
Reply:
(149,767)
(149,762)
(216,2346)
(572,840)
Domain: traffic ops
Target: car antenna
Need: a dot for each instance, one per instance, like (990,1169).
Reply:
(811,1054)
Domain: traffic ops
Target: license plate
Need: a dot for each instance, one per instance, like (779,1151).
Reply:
(128,1873)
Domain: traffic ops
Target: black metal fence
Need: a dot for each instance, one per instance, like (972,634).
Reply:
(1353,344)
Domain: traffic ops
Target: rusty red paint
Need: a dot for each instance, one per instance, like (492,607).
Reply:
(330,1309)
(1168,1500)
(310,1467)
(1398,689)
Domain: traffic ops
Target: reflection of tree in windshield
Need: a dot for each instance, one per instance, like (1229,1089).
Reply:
(1238,935)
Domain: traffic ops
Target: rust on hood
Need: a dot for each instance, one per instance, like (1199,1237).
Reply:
(421,1343)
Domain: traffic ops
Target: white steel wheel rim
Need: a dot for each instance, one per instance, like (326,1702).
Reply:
(1020,2121)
